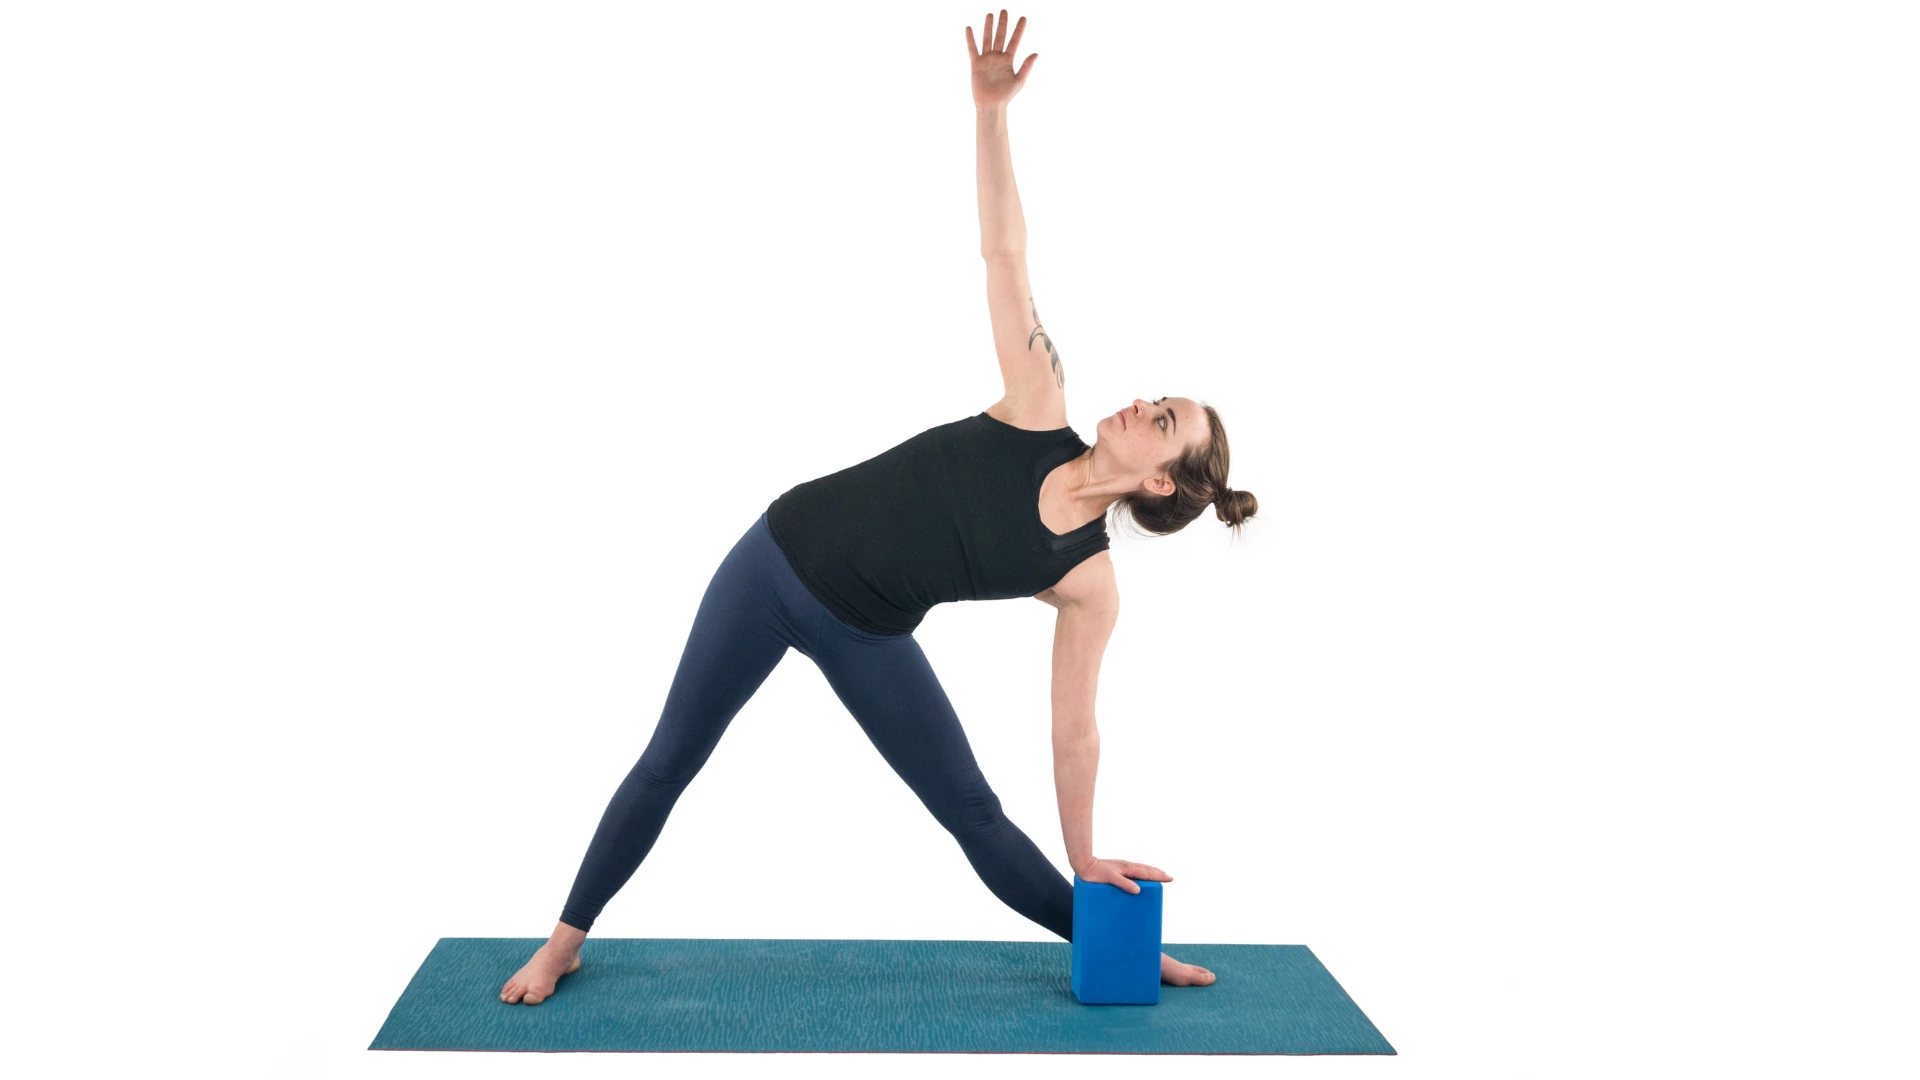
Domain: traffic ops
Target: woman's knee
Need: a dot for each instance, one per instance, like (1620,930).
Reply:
(665,770)
(973,807)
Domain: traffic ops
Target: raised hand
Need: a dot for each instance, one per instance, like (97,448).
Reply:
(994,80)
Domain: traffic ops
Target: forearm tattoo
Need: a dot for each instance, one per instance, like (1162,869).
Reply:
(1053,358)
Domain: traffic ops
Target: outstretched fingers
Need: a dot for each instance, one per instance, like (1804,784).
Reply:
(996,36)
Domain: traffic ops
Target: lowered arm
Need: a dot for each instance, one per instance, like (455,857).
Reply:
(1079,641)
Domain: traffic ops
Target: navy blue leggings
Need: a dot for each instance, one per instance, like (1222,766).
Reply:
(754,609)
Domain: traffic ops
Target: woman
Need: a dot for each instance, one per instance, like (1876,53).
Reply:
(1006,503)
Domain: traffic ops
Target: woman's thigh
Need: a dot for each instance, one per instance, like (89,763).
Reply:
(891,690)
(739,635)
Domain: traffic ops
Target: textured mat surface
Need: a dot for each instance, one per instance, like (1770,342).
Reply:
(861,996)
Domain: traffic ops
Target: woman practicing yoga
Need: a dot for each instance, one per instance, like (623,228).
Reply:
(1006,503)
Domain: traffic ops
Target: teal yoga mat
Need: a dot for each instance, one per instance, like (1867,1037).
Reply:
(739,995)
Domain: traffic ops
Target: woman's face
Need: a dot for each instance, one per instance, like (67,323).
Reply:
(1142,438)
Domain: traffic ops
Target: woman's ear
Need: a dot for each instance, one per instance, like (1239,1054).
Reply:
(1159,485)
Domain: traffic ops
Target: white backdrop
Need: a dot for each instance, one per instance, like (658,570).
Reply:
(383,383)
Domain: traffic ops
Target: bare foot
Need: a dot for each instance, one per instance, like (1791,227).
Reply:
(535,982)
(1175,973)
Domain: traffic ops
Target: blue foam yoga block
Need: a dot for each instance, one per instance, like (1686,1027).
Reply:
(1116,943)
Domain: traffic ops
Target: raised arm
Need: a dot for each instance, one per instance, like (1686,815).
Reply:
(1030,366)
(1002,228)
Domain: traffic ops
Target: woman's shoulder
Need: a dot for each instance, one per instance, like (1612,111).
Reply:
(1044,417)
(1090,583)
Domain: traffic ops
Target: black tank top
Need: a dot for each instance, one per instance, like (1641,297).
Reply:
(951,514)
